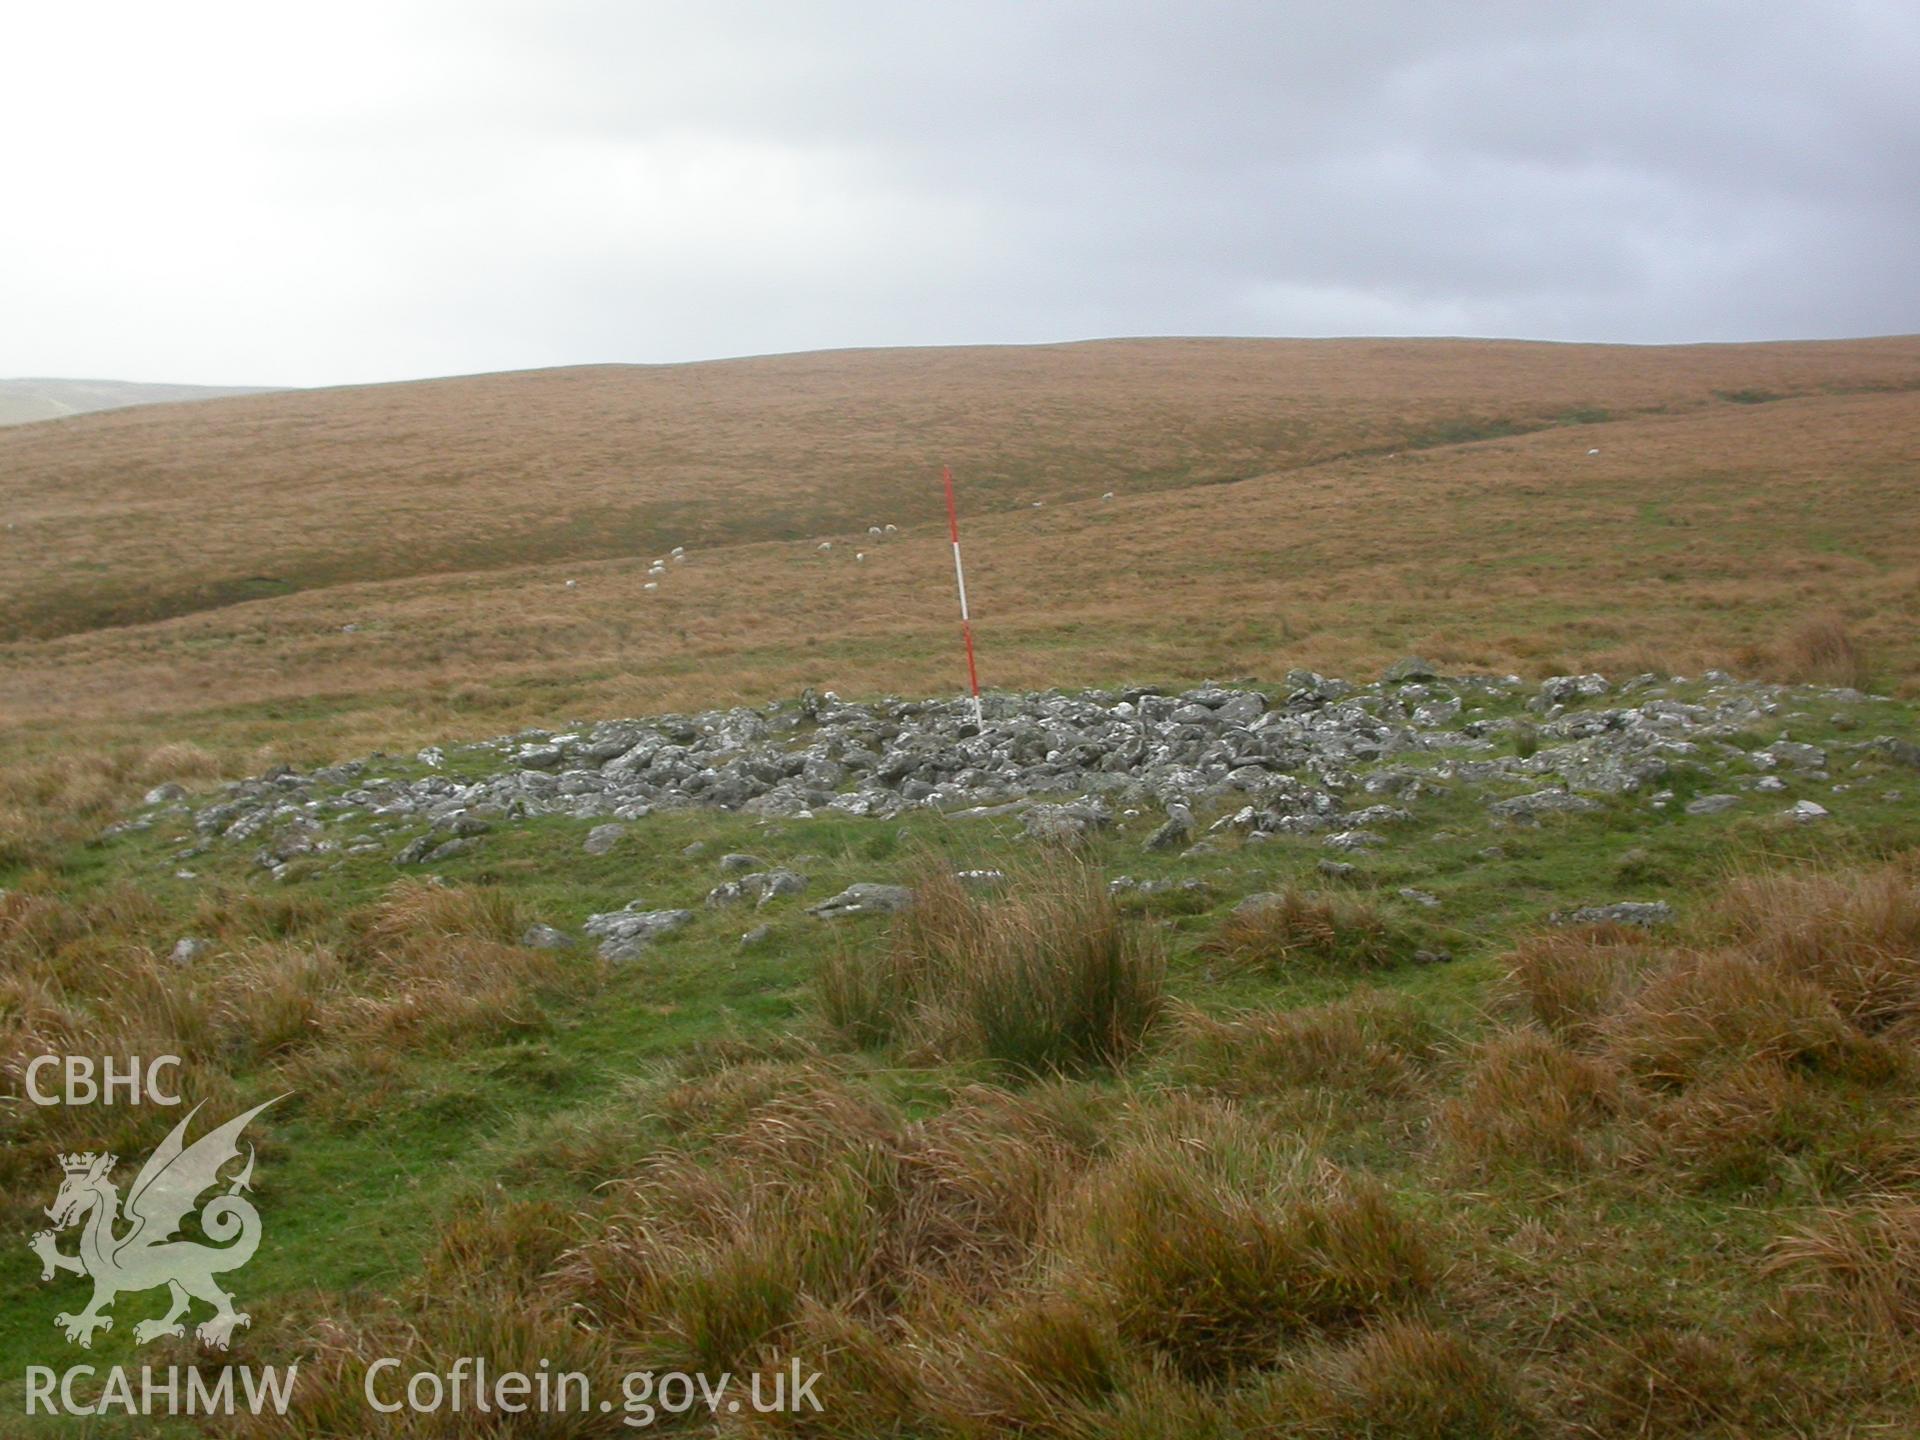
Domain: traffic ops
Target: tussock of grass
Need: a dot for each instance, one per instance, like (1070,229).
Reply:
(1050,978)
(1762,1123)
(1403,1377)
(1373,1042)
(1823,650)
(1855,935)
(1530,1099)
(1864,1259)
(1037,1364)
(1707,1013)
(1216,1264)
(1299,929)
(1670,1381)
(1567,980)
(176,760)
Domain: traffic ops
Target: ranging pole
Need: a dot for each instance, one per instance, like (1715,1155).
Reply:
(960,578)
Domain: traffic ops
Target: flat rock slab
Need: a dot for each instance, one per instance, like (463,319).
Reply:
(623,934)
(1530,809)
(1644,913)
(863,899)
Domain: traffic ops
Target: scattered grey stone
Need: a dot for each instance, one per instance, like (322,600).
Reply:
(187,949)
(1804,812)
(623,934)
(756,936)
(1411,668)
(1569,690)
(1793,755)
(1354,840)
(1644,913)
(697,848)
(981,879)
(1772,784)
(863,898)
(1068,762)
(1258,901)
(1064,824)
(1419,897)
(1712,804)
(760,887)
(1528,809)
(1380,815)
(1433,957)
(447,851)
(736,862)
(602,838)
(1337,869)
(774,883)
(162,794)
(1170,836)
(1901,752)
(546,937)
(416,850)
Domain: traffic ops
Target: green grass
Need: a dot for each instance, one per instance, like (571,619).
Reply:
(359,1176)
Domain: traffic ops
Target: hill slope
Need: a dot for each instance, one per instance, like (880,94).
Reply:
(131,516)
(24,401)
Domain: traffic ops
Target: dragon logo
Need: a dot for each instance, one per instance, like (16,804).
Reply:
(146,1254)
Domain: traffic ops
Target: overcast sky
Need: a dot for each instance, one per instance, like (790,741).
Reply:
(318,194)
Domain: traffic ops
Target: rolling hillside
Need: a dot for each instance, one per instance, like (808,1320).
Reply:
(24,401)
(1275,503)
(133,516)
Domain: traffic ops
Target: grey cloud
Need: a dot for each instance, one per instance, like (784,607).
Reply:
(480,187)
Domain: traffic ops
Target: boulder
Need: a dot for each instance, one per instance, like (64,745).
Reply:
(623,934)
(863,898)
(189,948)
(602,838)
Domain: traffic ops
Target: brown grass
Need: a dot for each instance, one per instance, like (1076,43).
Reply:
(575,465)
(1402,1378)
(1050,977)
(1824,651)
(1304,930)
(1567,980)
(1216,1277)
(1373,1042)
(1855,934)
(1461,549)
(1707,1013)
(1528,1098)
(1865,1259)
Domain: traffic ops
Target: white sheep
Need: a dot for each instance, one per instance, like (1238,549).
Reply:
(677,551)
(651,585)
(1107,496)
(825,545)
(893,529)
(859,554)
(875,531)
(1593,452)
(573,584)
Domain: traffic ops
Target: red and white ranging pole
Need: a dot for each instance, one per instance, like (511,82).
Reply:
(960,578)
